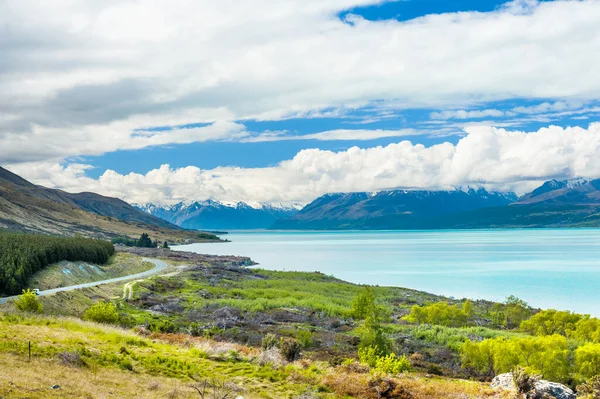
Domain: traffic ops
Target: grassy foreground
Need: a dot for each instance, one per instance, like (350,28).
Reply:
(92,360)
(210,323)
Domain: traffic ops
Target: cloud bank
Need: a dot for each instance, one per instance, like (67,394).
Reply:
(489,157)
(90,73)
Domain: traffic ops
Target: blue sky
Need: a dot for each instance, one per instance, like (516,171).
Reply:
(286,101)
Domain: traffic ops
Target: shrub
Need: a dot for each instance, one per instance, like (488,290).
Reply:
(368,355)
(269,341)
(305,338)
(517,311)
(524,381)
(441,313)
(591,388)
(549,355)
(71,359)
(102,312)
(392,364)
(549,322)
(28,302)
(389,364)
(290,349)
(587,361)
(164,326)
(372,334)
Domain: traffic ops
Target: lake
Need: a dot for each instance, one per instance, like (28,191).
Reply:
(557,268)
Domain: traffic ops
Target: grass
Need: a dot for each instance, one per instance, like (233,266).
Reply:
(267,290)
(121,351)
(120,363)
(71,273)
(451,337)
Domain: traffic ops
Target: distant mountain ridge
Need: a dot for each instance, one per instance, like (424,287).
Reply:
(393,209)
(556,203)
(220,215)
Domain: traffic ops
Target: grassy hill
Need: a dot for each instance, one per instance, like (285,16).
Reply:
(30,208)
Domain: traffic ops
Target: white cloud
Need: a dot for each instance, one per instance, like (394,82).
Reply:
(338,134)
(487,156)
(98,68)
(464,114)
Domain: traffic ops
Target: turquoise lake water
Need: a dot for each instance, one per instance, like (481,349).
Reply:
(547,268)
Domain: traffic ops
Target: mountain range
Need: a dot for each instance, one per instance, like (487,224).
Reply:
(393,209)
(217,215)
(569,203)
(27,207)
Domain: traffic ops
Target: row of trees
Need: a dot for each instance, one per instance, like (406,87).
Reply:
(509,314)
(21,255)
(143,242)
(571,325)
(552,356)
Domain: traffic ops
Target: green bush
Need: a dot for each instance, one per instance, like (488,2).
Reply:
(587,361)
(389,364)
(369,355)
(305,338)
(102,312)
(441,314)
(164,326)
(290,349)
(28,302)
(550,356)
(392,364)
(269,341)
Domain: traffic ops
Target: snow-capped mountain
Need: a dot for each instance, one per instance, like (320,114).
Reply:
(222,215)
(392,209)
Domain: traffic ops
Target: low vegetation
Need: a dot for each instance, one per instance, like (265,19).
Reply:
(301,335)
(22,255)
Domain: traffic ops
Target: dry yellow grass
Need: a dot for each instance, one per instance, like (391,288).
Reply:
(20,378)
(408,386)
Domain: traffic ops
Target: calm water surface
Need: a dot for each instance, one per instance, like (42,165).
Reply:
(548,268)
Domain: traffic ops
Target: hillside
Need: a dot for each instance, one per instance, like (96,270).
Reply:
(216,215)
(396,209)
(209,322)
(27,207)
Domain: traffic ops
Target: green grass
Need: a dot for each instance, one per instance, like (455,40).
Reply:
(450,337)
(103,346)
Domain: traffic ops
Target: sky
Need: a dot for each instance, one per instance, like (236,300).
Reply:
(284,101)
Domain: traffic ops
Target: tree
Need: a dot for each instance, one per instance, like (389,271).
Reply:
(587,361)
(363,304)
(517,311)
(468,308)
(165,245)
(28,302)
(145,241)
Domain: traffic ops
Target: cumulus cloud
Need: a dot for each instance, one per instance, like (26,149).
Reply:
(101,69)
(490,157)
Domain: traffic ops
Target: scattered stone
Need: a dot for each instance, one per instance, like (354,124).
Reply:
(552,389)
(55,386)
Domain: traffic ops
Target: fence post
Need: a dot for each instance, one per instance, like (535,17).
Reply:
(29,350)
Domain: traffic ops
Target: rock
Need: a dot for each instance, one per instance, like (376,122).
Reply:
(542,387)
(554,389)
(56,386)
(504,381)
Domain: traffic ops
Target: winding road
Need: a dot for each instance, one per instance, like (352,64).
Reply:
(159,266)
